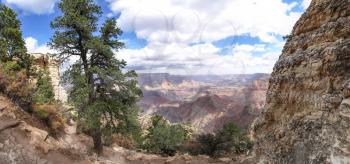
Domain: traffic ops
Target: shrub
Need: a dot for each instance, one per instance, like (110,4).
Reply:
(231,139)
(14,83)
(209,144)
(163,138)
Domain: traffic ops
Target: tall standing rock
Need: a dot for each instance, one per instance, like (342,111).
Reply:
(307,116)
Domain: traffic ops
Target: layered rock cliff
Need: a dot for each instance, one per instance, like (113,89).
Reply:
(307,116)
(204,102)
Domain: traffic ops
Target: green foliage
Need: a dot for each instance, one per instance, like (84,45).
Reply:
(208,143)
(12,45)
(15,63)
(11,66)
(231,139)
(164,138)
(44,90)
(104,95)
(15,68)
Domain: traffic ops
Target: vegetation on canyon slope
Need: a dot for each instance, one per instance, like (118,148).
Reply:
(104,96)
(14,60)
(16,70)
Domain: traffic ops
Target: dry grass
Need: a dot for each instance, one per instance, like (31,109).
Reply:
(49,113)
(123,141)
(16,85)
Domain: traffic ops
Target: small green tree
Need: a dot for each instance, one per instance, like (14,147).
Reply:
(44,90)
(103,94)
(164,138)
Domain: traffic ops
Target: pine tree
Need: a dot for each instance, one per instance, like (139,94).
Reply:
(12,45)
(104,95)
(44,92)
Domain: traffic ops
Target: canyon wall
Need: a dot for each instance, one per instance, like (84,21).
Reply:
(307,115)
(206,102)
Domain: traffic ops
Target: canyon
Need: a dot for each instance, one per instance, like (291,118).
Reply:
(204,102)
(305,118)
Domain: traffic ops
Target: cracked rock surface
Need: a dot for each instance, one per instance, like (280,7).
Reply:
(307,115)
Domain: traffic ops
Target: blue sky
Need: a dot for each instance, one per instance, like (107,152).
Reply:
(182,36)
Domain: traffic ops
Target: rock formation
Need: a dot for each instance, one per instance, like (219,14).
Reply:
(307,115)
(53,65)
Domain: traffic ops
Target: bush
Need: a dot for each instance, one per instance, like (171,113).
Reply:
(164,138)
(230,140)
(209,144)
(234,138)
(14,83)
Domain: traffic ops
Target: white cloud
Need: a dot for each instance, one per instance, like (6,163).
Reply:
(200,59)
(33,46)
(170,28)
(249,48)
(197,20)
(34,6)
(306,3)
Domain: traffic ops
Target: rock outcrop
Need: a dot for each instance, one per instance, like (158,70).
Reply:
(53,66)
(307,115)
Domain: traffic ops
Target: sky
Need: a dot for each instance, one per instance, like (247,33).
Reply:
(182,36)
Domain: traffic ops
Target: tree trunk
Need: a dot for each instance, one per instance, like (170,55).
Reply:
(97,137)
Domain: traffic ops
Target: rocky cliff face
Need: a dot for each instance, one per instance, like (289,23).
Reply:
(307,116)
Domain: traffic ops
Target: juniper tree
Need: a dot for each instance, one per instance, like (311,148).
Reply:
(103,93)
